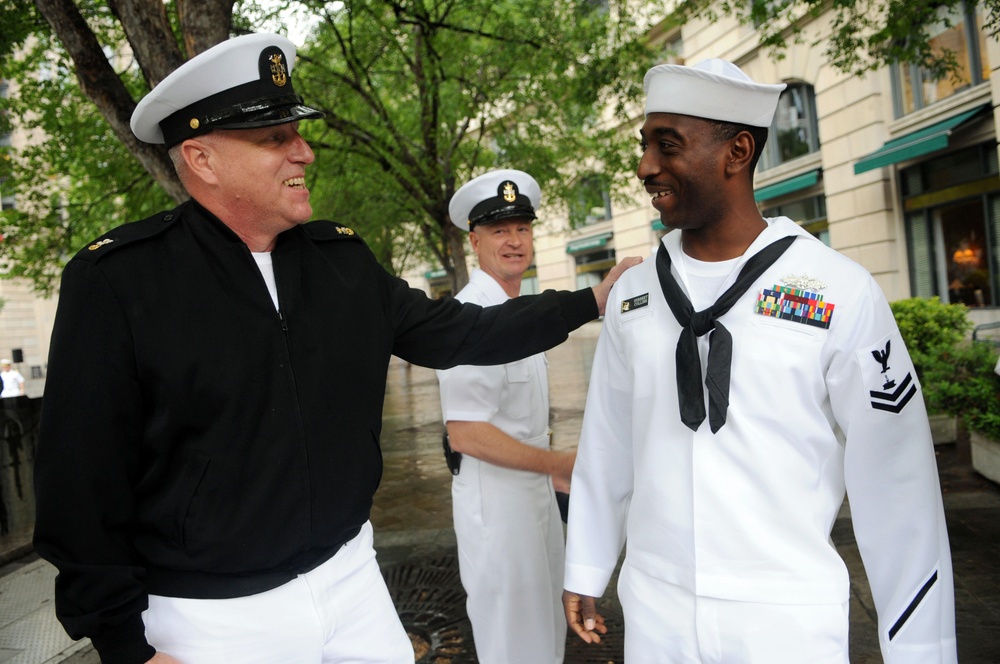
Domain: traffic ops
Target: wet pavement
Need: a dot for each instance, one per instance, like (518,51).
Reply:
(416,543)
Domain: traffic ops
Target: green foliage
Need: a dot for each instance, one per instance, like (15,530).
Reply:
(866,34)
(420,97)
(72,177)
(19,20)
(956,374)
(960,381)
(929,328)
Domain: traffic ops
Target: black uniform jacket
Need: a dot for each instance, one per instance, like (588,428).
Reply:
(195,442)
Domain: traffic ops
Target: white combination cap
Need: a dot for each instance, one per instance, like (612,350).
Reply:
(712,89)
(494,196)
(241,83)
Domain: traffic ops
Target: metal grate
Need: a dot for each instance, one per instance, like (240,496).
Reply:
(431,604)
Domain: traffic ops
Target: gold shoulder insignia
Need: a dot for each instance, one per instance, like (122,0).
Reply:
(99,244)
(343,230)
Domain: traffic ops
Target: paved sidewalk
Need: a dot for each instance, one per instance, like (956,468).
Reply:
(29,632)
(416,545)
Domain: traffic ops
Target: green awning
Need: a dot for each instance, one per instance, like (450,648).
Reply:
(788,186)
(436,274)
(921,142)
(657,225)
(587,243)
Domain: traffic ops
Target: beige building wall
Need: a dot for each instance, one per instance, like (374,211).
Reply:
(26,323)
(25,318)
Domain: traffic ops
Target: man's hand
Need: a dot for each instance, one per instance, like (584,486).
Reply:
(563,471)
(582,616)
(603,289)
(160,658)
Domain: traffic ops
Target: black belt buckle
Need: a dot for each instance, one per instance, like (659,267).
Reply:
(451,457)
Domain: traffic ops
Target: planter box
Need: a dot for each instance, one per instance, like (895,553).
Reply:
(944,428)
(985,456)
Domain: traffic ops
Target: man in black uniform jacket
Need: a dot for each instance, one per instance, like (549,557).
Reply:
(209,446)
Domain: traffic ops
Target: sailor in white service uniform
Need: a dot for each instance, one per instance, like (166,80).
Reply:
(746,380)
(510,535)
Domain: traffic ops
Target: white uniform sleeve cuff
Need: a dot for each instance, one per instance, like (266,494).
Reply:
(585,580)
(467,416)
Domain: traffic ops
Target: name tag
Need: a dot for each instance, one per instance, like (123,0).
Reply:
(637,302)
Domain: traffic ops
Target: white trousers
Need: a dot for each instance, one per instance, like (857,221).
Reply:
(511,553)
(667,624)
(339,612)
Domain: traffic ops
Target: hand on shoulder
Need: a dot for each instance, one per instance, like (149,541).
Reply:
(603,289)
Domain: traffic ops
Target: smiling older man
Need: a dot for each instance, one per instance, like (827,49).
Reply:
(210,442)
(510,536)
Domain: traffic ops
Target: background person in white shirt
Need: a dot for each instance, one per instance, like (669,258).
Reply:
(13,381)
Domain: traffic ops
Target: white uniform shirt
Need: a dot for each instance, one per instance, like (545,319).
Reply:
(513,397)
(746,514)
(12,382)
(510,536)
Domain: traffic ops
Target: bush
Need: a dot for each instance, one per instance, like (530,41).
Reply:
(957,375)
(929,328)
(960,380)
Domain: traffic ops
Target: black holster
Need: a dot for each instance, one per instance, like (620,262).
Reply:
(451,457)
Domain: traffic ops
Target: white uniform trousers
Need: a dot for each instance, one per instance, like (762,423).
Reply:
(511,551)
(667,624)
(339,612)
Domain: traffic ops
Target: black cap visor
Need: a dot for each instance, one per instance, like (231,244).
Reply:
(269,117)
(245,106)
(497,209)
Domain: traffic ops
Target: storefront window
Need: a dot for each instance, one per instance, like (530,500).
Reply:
(809,212)
(952,225)
(963,236)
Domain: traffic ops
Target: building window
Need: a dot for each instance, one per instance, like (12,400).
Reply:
(810,213)
(794,132)
(529,281)
(952,213)
(6,197)
(4,136)
(591,202)
(593,266)
(439,283)
(672,51)
(959,30)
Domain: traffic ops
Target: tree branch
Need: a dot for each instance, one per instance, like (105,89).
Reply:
(102,86)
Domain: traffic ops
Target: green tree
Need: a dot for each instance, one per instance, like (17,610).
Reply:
(420,96)
(76,71)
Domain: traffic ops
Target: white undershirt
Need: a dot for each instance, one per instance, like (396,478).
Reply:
(266,267)
(705,279)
